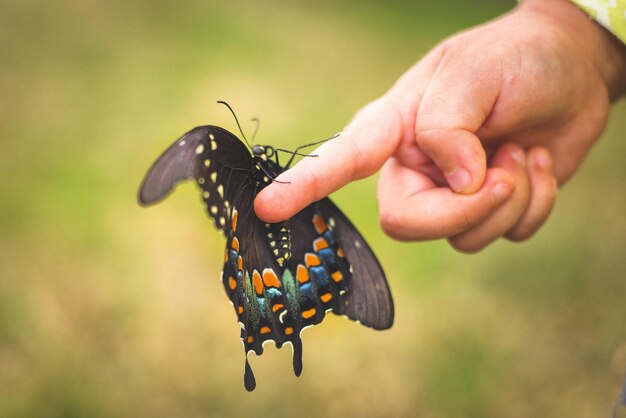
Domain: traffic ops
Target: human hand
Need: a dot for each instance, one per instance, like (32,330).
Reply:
(475,138)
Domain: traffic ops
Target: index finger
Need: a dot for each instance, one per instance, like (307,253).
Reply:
(359,151)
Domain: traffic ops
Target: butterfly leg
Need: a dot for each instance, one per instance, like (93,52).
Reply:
(295,152)
(272,177)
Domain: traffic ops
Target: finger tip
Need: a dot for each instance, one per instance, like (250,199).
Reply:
(501,183)
(541,158)
(264,208)
(463,181)
(276,204)
(518,154)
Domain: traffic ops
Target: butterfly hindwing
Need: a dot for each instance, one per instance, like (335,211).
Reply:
(369,300)
(322,272)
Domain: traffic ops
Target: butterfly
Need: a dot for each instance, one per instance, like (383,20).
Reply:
(280,277)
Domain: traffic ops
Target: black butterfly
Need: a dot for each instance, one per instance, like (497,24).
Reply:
(280,277)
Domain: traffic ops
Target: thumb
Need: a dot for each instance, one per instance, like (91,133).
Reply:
(454,105)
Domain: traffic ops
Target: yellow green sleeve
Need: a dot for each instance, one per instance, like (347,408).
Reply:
(609,13)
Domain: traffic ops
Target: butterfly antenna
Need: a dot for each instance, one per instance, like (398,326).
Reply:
(236,120)
(258,124)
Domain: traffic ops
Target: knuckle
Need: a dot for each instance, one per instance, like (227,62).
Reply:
(466,244)
(521,233)
(312,184)
(370,145)
(391,224)
(464,220)
(357,159)
(429,138)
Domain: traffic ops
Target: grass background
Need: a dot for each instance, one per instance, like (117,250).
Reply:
(111,310)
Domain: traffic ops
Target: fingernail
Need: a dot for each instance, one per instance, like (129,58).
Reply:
(542,160)
(519,156)
(501,192)
(459,179)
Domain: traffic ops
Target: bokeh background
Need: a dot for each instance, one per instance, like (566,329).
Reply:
(112,310)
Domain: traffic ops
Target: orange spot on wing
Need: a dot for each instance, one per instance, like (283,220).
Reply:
(277,307)
(239,263)
(270,279)
(235,244)
(302,274)
(250,339)
(326,297)
(265,330)
(337,276)
(308,313)
(234,220)
(257,282)
(240,310)
(320,244)
(311,260)
(319,224)
(232,283)
(288,331)
(340,252)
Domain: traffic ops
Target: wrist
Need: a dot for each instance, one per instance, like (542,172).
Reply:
(604,50)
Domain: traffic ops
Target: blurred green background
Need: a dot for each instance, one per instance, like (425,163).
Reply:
(111,310)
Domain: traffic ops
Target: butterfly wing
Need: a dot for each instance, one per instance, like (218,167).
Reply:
(190,157)
(276,297)
(369,299)
(284,277)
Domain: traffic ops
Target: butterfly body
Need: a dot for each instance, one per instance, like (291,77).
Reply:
(280,277)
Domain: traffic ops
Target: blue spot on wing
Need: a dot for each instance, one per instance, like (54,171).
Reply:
(330,239)
(319,275)
(328,258)
(307,292)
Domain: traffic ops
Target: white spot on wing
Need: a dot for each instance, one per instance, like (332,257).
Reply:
(280,317)
(199,149)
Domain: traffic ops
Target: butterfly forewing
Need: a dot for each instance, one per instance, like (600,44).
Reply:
(195,155)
